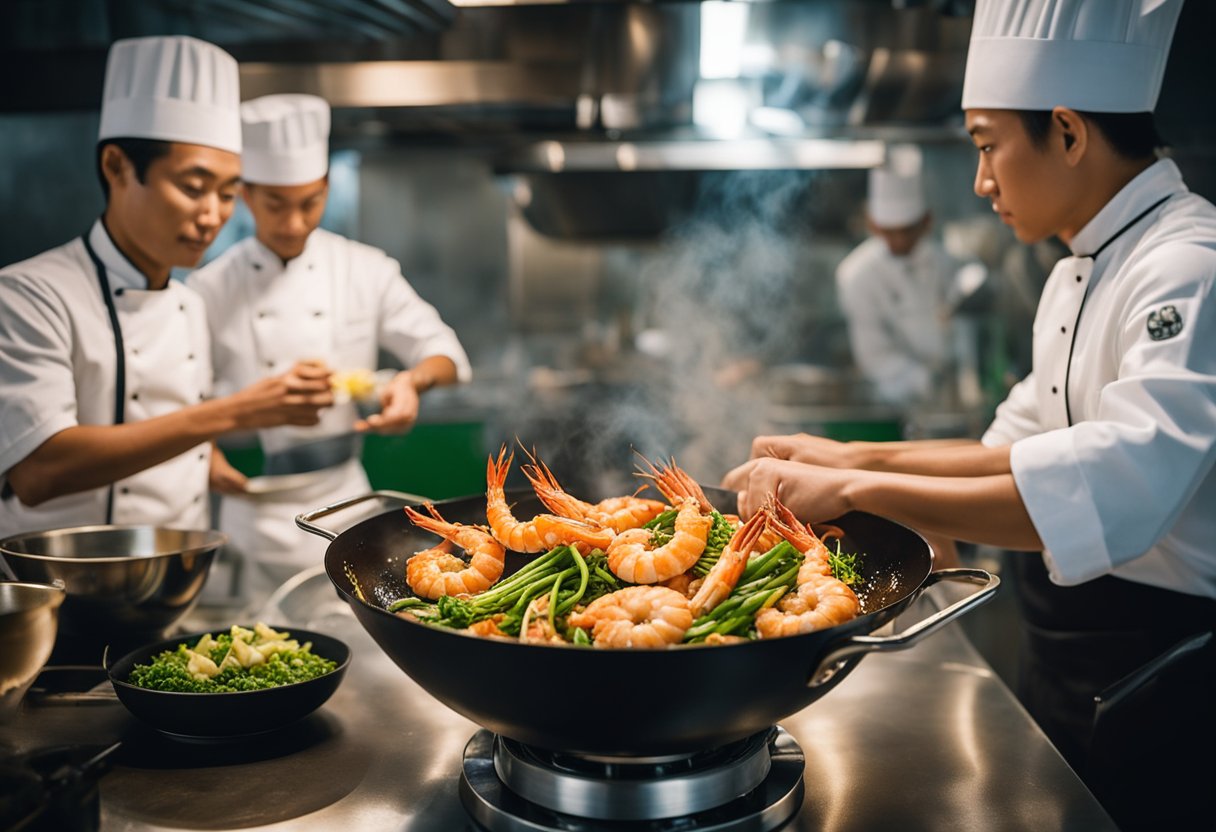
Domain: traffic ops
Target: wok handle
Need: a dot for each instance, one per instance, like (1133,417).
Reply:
(305,520)
(835,658)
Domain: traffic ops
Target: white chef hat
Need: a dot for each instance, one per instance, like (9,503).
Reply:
(896,192)
(286,139)
(175,89)
(1102,56)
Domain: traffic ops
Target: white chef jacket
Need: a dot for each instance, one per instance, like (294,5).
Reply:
(58,369)
(897,313)
(339,301)
(1128,489)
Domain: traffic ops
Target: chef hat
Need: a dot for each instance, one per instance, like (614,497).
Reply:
(175,89)
(1102,56)
(896,194)
(286,139)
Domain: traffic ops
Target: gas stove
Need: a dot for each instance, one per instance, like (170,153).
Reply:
(753,785)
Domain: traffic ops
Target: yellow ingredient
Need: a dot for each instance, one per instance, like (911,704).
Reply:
(357,384)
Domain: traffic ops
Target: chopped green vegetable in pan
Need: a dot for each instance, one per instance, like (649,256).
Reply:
(239,660)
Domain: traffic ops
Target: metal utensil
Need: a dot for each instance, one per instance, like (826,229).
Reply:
(29,619)
(120,581)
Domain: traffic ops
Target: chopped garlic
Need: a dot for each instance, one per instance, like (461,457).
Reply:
(201,667)
(247,654)
(264,633)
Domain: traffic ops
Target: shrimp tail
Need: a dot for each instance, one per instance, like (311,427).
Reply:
(673,482)
(435,523)
(496,470)
(551,493)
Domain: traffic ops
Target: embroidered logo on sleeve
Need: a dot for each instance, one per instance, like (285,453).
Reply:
(1164,323)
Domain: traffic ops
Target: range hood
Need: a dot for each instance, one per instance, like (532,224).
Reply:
(419,68)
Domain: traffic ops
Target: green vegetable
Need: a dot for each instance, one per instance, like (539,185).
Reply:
(846,568)
(663,528)
(562,574)
(169,670)
(764,580)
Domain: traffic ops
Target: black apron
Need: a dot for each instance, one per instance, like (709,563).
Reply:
(1122,678)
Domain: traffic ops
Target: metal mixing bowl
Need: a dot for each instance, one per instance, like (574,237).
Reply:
(121,581)
(29,618)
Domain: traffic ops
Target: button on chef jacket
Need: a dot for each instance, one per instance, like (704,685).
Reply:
(339,301)
(58,369)
(1125,351)
(895,308)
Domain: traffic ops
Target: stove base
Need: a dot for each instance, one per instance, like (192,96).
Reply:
(767,807)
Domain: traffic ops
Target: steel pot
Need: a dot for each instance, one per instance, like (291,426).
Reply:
(29,619)
(629,702)
(122,582)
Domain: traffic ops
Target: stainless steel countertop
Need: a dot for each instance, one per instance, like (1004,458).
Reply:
(921,740)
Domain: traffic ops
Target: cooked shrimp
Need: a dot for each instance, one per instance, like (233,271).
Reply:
(616,513)
(818,603)
(628,512)
(542,532)
(631,559)
(637,616)
(686,583)
(800,537)
(488,627)
(674,483)
(435,572)
(725,573)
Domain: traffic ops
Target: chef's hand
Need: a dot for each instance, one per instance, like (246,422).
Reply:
(399,404)
(812,492)
(802,447)
(223,478)
(293,398)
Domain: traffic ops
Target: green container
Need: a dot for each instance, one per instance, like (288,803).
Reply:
(438,460)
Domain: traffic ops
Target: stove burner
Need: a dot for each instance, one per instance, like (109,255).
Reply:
(754,785)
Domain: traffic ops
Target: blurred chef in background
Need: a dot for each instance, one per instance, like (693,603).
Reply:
(1104,457)
(296,292)
(104,361)
(898,287)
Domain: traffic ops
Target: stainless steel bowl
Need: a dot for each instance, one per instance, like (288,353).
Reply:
(121,581)
(29,619)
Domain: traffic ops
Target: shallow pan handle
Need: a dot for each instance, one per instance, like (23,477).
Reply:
(836,657)
(305,520)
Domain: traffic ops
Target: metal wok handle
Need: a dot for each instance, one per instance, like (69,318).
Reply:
(858,645)
(305,520)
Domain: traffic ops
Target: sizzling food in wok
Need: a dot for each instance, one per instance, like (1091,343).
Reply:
(627,571)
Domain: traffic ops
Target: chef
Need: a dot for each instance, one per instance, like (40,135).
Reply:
(296,292)
(894,288)
(105,368)
(1102,458)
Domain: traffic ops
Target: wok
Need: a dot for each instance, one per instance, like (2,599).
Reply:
(227,715)
(635,703)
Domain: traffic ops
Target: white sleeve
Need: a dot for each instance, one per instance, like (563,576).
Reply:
(39,389)
(1104,491)
(1017,417)
(410,328)
(895,374)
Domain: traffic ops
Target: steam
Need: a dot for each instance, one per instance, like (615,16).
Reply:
(721,289)
(725,292)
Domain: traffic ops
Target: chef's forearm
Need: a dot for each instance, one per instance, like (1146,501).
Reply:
(935,458)
(85,457)
(987,510)
(432,371)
